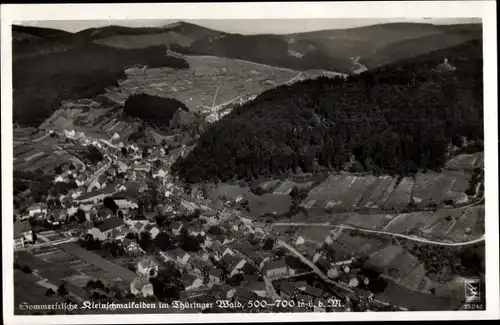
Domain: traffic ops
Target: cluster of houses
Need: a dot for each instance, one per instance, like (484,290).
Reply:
(228,263)
(123,179)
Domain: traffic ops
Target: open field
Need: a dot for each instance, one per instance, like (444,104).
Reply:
(401,266)
(449,225)
(30,155)
(28,291)
(466,161)
(413,300)
(76,265)
(456,225)
(196,86)
(343,193)
(258,204)
(94,259)
(90,118)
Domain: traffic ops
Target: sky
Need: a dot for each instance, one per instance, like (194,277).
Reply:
(245,26)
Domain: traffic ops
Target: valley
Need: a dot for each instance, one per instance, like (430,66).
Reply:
(361,178)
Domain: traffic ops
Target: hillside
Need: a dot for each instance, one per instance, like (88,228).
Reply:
(334,50)
(52,65)
(413,47)
(41,82)
(186,29)
(396,119)
(361,41)
(38,32)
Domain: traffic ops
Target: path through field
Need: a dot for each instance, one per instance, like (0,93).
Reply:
(313,266)
(417,239)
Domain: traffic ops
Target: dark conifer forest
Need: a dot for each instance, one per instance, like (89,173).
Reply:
(396,119)
(154,110)
(41,82)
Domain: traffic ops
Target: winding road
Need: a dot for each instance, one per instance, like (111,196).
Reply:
(312,266)
(72,157)
(412,238)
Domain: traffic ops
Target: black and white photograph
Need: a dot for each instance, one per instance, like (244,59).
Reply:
(164,165)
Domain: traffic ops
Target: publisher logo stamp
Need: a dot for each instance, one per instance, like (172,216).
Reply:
(472,291)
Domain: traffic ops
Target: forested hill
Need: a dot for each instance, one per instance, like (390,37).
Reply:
(396,119)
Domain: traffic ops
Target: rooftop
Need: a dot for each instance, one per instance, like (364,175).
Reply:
(148,261)
(110,223)
(243,293)
(21,227)
(287,288)
(256,285)
(215,272)
(188,279)
(312,291)
(139,282)
(88,195)
(276,264)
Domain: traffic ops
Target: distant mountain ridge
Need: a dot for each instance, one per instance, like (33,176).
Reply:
(334,50)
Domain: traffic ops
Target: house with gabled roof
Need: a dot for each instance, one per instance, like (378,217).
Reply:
(138,227)
(141,286)
(126,202)
(152,230)
(37,208)
(191,282)
(216,276)
(258,287)
(287,290)
(311,291)
(275,269)
(176,228)
(132,247)
(148,267)
(177,255)
(22,233)
(247,251)
(80,179)
(161,172)
(244,295)
(200,268)
(95,196)
(323,264)
(107,229)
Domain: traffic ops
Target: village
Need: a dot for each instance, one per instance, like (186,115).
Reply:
(156,240)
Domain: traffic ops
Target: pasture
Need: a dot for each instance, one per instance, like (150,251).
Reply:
(454,225)
(32,156)
(399,265)
(466,161)
(399,295)
(258,204)
(27,290)
(76,265)
(344,193)
(96,261)
(196,86)
(449,225)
